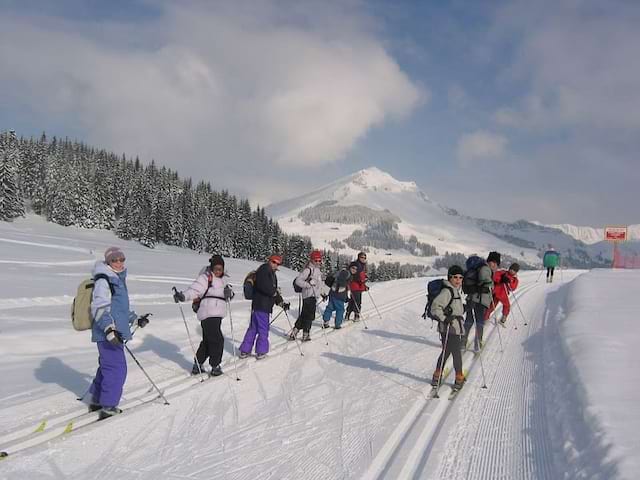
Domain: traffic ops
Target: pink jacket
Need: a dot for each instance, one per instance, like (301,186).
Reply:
(209,307)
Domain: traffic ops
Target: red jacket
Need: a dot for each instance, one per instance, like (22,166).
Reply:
(500,293)
(359,279)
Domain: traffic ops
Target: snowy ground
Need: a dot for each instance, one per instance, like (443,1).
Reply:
(560,403)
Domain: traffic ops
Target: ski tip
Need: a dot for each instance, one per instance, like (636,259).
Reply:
(3,454)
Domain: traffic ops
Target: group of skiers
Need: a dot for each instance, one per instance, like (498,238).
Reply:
(485,287)
(483,283)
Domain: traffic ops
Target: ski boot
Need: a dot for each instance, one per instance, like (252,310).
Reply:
(356,317)
(216,371)
(460,379)
(435,379)
(326,325)
(108,412)
(293,334)
(260,356)
(244,354)
(306,337)
(197,369)
(94,407)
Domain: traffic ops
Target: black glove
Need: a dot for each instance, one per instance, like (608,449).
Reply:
(113,336)
(143,320)
(228,293)
(366,288)
(178,297)
(278,299)
(505,280)
(286,306)
(324,297)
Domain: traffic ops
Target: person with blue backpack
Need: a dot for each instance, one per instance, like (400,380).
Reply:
(478,286)
(112,319)
(308,284)
(338,296)
(445,306)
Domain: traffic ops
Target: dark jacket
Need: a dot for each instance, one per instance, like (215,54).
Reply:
(265,289)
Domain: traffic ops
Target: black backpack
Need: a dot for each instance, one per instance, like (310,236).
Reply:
(434,287)
(331,278)
(470,280)
(248,286)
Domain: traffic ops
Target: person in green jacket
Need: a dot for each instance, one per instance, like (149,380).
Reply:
(550,261)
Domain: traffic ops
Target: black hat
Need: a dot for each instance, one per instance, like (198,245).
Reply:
(455,270)
(216,260)
(515,267)
(494,257)
(353,264)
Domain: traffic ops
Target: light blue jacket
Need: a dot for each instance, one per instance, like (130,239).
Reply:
(107,309)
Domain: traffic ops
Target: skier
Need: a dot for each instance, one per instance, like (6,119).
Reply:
(479,298)
(447,308)
(505,282)
(357,285)
(309,280)
(112,321)
(266,294)
(550,261)
(338,296)
(212,290)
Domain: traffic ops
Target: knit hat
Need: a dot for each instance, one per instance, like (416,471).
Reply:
(515,267)
(353,264)
(361,254)
(455,270)
(112,253)
(216,260)
(315,256)
(276,258)
(494,257)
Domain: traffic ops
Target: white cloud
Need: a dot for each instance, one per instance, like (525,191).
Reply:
(480,144)
(212,90)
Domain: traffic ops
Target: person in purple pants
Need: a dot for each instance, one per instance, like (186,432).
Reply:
(265,295)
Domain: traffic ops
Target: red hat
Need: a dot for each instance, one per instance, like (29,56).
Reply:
(316,256)
(276,259)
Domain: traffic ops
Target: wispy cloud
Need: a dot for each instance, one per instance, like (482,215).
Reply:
(480,145)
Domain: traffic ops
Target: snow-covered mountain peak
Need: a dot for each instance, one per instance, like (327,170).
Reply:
(373,178)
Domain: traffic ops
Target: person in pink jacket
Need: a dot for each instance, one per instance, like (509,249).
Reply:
(214,293)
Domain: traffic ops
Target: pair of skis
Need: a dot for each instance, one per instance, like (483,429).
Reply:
(453,394)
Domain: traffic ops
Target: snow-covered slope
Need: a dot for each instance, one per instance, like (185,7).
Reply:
(429,221)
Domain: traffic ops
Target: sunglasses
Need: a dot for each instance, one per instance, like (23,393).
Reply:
(118,260)
(275,263)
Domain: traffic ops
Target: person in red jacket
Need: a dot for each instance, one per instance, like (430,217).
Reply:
(505,282)
(357,285)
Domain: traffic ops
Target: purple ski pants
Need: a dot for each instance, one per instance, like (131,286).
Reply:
(258,327)
(107,386)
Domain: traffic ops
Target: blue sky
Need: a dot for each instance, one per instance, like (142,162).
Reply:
(501,110)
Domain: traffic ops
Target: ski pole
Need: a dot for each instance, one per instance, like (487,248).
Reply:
(324,330)
(374,304)
(495,324)
(233,341)
(521,313)
(510,292)
(484,379)
(291,327)
(81,398)
(442,355)
(195,357)
(146,374)
(274,318)
(355,304)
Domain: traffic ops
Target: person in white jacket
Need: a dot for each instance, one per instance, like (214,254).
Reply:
(309,280)
(212,290)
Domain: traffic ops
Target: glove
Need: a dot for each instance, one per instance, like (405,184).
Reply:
(228,293)
(143,320)
(324,297)
(113,336)
(178,297)
(366,288)
(286,306)
(278,299)
(312,282)
(505,280)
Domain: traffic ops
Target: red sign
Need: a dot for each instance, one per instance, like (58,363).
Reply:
(615,234)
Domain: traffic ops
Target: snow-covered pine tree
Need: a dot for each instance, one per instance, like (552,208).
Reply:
(11,202)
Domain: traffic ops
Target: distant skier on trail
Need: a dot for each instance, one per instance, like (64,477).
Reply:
(357,285)
(309,283)
(505,282)
(112,321)
(265,295)
(447,309)
(550,261)
(478,285)
(213,293)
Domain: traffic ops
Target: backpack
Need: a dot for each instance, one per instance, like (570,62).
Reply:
(470,280)
(434,287)
(298,289)
(331,278)
(195,304)
(249,285)
(81,317)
